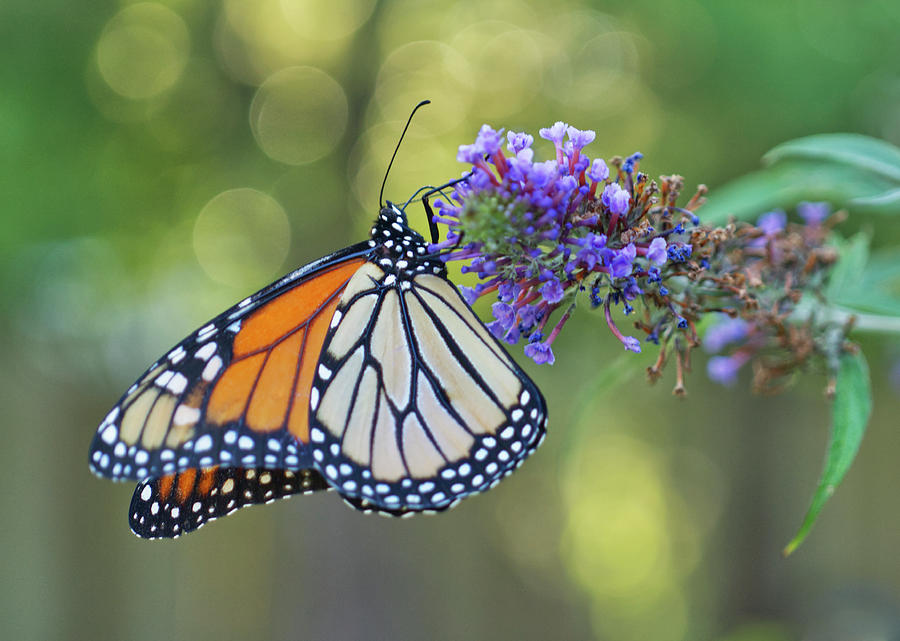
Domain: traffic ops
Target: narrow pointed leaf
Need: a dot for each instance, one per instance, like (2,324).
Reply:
(850,415)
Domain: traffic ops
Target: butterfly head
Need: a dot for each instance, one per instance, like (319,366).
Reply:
(400,247)
(391,213)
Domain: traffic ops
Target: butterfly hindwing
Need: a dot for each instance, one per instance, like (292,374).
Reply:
(236,391)
(178,503)
(415,405)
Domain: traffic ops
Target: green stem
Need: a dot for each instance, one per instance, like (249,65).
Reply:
(809,308)
(874,323)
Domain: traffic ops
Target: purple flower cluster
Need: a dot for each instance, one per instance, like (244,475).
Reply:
(537,233)
(775,257)
(540,235)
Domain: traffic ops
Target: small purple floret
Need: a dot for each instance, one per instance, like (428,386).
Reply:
(488,140)
(615,198)
(598,171)
(621,264)
(508,291)
(470,154)
(772,222)
(723,333)
(543,172)
(632,290)
(469,294)
(540,353)
(813,213)
(527,316)
(552,291)
(555,134)
(656,253)
(504,314)
(723,369)
(518,141)
(580,139)
(628,165)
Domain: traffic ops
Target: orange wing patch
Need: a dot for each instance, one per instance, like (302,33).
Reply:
(184,485)
(274,357)
(230,395)
(285,314)
(298,425)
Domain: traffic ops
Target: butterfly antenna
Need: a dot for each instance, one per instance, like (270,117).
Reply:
(396,149)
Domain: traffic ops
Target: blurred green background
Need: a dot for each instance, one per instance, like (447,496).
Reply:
(161,160)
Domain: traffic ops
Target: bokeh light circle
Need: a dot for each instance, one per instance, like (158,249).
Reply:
(241,237)
(507,65)
(426,69)
(326,19)
(143,50)
(298,115)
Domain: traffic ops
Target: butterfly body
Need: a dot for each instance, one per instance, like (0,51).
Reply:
(364,371)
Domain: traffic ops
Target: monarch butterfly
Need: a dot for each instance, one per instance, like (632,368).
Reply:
(364,372)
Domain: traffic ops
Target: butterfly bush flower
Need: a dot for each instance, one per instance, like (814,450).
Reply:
(542,235)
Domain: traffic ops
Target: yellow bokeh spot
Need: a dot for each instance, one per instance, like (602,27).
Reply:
(326,19)
(617,517)
(241,237)
(601,76)
(298,115)
(143,50)
(630,539)
(507,65)
(256,38)
(426,69)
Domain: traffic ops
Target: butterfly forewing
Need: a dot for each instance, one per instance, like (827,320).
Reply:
(178,503)
(235,392)
(415,405)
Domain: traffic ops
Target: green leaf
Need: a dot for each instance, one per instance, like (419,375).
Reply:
(791,181)
(887,201)
(878,288)
(856,151)
(850,414)
(847,170)
(848,271)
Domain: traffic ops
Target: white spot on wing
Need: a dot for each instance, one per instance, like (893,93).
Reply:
(204,443)
(109,434)
(163,379)
(185,415)
(212,368)
(113,415)
(178,383)
(205,352)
